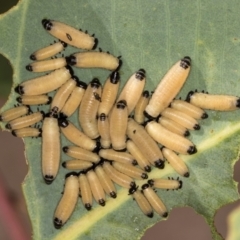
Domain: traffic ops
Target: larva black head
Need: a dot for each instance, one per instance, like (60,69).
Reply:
(151,182)
(71,60)
(119,63)
(148,116)
(145,186)
(33,57)
(62,115)
(75,78)
(145,94)
(132,184)
(159,164)
(186,175)
(29,67)
(205,115)
(95,83)
(102,117)
(48,179)
(188,98)
(70,70)
(19,99)
(185,62)
(180,184)
(14,133)
(97,148)
(238,103)
(165,214)
(65,149)
(49,100)
(57,223)
(186,134)
(64,164)
(192,149)
(101,202)
(147,168)
(132,190)
(8,126)
(114,77)
(88,206)
(19,89)
(40,133)
(71,174)
(63,122)
(95,43)
(121,104)
(82,84)
(144,176)
(196,127)
(140,74)
(63,43)
(47,24)
(134,162)
(113,195)
(150,215)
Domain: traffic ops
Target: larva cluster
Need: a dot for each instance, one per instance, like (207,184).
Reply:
(112,147)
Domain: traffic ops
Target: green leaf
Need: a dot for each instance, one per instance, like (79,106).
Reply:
(152,35)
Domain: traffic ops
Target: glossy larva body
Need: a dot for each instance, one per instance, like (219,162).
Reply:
(113,155)
(106,182)
(182,118)
(51,148)
(109,93)
(25,121)
(47,65)
(118,125)
(168,88)
(176,162)
(94,60)
(89,107)
(74,99)
(46,83)
(140,107)
(130,170)
(154,200)
(120,178)
(133,89)
(169,139)
(48,51)
(104,130)
(96,187)
(81,153)
(138,156)
(214,102)
(76,164)
(74,135)
(34,100)
(145,143)
(173,126)
(86,192)
(69,34)
(14,113)
(189,109)
(63,94)
(27,132)
(141,201)
(169,184)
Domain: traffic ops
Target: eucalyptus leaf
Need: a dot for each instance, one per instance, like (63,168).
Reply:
(152,35)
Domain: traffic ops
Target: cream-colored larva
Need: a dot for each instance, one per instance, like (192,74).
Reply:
(14,113)
(145,143)
(120,178)
(96,187)
(118,125)
(27,132)
(182,118)
(68,201)
(25,121)
(173,126)
(46,83)
(76,164)
(74,99)
(89,107)
(109,93)
(85,189)
(48,51)
(169,139)
(113,155)
(81,154)
(141,201)
(106,182)
(74,135)
(47,65)
(138,155)
(214,102)
(34,100)
(94,60)
(189,109)
(140,107)
(133,89)
(130,170)
(176,162)
(169,184)
(168,88)
(51,148)
(154,200)
(69,34)
(104,131)
(63,94)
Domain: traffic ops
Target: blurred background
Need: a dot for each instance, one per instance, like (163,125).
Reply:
(183,223)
